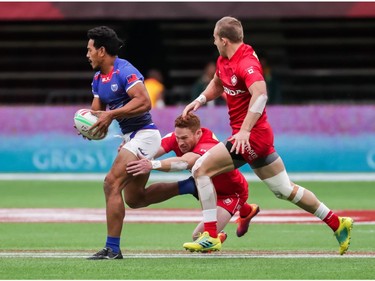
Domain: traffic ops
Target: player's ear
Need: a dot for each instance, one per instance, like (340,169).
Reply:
(198,132)
(102,51)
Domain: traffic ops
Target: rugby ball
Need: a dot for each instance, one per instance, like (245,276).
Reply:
(83,121)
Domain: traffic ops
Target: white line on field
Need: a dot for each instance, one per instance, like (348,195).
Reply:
(182,256)
(178,176)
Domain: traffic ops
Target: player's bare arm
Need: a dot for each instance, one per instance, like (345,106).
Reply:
(213,90)
(140,103)
(172,164)
(97,105)
(257,104)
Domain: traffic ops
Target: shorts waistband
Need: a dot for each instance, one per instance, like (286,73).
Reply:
(149,126)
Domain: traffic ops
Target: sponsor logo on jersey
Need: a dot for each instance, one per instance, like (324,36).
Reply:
(233,92)
(233,80)
(251,153)
(228,201)
(131,78)
(106,79)
(114,87)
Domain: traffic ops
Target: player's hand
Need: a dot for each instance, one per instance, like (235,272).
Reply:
(241,141)
(101,126)
(193,106)
(79,133)
(139,167)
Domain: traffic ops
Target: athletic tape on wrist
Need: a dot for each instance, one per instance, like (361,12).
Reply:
(156,164)
(201,99)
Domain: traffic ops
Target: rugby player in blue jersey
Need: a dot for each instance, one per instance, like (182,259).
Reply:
(118,86)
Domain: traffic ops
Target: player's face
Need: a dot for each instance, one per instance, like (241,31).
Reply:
(186,139)
(219,43)
(93,55)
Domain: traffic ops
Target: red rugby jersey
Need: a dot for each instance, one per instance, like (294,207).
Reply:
(227,184)
(237,75)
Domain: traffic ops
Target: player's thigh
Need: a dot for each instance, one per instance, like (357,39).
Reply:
(215,161)
(117,175)
(135,188)
(270,170)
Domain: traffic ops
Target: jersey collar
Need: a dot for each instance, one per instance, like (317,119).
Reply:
(237,55)
(107,77)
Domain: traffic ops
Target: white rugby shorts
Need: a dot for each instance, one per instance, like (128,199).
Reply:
(145,142)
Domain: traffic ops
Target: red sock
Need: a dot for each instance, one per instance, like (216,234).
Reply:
(245,210)
(332,220)
(211,228)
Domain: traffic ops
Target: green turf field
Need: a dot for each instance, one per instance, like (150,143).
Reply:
(89,194)
(154,250)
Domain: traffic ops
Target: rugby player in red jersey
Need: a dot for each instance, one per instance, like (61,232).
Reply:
(239,74)
(189,142)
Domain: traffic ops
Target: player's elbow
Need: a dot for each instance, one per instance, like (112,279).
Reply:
(147,106)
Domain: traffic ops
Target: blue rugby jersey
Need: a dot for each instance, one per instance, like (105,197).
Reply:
(112,91)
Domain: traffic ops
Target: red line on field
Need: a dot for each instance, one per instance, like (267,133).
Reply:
(165,215)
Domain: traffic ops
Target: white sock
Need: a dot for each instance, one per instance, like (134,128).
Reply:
(209,215)
(322,211)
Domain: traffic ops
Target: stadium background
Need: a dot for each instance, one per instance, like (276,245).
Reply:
(322,55)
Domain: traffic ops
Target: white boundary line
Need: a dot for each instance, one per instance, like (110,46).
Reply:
(184,256)
(178,176)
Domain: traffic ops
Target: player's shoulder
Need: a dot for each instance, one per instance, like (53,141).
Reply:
(206,132)
(249,55)
(169,136)
(249,62)
(208,136)
(96,75)
(122,64)
(127,71)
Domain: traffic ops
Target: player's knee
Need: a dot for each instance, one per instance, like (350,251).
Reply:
(109,185)
(135,202)
(280,185)
(198,170)
(283,188)
(132,204)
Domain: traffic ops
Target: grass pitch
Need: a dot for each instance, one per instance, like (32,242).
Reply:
(154,250)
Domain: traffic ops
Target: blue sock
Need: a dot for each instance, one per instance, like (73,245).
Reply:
(113,243)
(188,187)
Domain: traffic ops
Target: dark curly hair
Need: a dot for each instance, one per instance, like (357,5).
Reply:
(103,36)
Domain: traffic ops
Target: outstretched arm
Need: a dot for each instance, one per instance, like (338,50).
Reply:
(172,164)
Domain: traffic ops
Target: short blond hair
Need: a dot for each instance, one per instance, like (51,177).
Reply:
(230,28)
